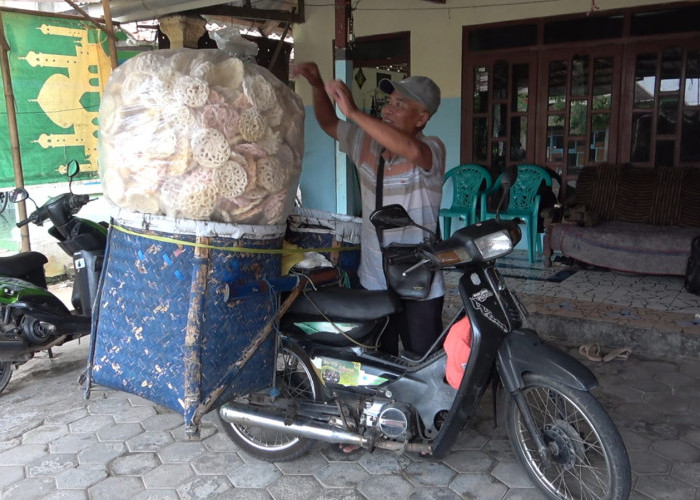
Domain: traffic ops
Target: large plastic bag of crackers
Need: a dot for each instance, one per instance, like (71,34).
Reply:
(201,135)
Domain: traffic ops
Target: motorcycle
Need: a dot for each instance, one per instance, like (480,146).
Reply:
(333,385)
(32,319)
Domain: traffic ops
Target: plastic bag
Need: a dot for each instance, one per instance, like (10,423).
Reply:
(201,135)
(229,40)
(458,347)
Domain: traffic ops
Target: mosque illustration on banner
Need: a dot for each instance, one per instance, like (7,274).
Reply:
(61,97)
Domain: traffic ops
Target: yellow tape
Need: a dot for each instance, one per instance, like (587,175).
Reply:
(275,251)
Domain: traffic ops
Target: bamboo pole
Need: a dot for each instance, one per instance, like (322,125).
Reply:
(12,128)
(110,30)
(94,21)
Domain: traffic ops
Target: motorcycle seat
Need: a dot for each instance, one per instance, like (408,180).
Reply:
(22,264)
(346,303)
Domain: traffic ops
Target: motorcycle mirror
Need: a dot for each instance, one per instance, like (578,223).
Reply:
(391,217)
(509,177)
(73,168)
(395,217)
(18,194)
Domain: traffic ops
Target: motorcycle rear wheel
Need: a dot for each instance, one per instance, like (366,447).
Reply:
(5,374)
(587,456)
(295,380)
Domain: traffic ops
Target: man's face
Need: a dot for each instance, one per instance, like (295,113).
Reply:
(404,113)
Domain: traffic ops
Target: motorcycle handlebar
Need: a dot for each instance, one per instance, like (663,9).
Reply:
(78,201)
(26,221)
(66,204)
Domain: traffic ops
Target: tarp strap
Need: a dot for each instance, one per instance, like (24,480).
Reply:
(276,251)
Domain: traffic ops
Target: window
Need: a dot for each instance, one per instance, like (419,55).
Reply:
(501,112)
(577,90)
(579,105)
(665,111)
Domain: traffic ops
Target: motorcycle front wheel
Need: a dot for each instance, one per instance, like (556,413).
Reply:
(295,380)
(5,374)
(585,456)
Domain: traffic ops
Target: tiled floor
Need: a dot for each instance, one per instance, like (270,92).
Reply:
(605,299)
(661,293)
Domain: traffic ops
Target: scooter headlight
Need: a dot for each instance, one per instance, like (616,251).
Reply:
(494,245)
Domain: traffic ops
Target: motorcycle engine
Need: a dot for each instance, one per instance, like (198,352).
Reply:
(393,420)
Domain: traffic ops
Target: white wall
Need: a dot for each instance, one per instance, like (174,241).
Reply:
(436,30)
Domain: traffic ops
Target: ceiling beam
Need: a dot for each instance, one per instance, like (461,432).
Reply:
(293,17)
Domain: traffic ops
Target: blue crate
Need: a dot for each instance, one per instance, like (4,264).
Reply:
(164,331)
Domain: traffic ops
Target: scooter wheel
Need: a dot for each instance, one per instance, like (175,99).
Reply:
(35,332)
(585,454)
(5,374)
(296,380)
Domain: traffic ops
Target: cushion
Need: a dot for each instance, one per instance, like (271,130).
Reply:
(666,204)
(635,193)
(690,199)
(625,246)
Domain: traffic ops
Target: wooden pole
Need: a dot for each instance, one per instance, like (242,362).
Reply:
(342,21)
(12,128)
(110,31)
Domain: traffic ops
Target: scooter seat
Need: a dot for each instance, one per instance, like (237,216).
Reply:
(346,303)
(22,264)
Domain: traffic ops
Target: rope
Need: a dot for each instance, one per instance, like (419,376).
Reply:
(287,251)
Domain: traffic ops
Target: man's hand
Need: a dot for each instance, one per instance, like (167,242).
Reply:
(340,93)
(323,108)
(308,70)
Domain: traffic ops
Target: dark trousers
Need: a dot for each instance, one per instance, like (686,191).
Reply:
(418,326)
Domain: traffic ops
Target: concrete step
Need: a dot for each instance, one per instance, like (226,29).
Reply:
(649,332)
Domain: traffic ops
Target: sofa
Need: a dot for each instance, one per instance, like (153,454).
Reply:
(632,219)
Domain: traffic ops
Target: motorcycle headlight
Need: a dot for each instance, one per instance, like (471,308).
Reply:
(494,245)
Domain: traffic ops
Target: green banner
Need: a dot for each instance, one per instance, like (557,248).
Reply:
(59,68)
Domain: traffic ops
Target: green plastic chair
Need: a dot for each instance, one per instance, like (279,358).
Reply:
(468,182)
(524,203)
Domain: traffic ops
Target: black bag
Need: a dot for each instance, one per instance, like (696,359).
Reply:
(692,271)
(398,257)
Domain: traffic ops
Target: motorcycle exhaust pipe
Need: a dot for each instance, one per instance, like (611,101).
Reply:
(241,414)
(245,415)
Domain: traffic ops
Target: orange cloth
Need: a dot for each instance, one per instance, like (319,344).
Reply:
(458,346)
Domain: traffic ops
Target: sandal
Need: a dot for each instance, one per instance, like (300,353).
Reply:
(591,352)
(348,449)
(621,353)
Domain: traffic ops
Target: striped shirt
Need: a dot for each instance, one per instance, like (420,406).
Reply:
(418,190)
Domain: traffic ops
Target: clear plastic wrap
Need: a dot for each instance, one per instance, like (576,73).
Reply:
(199,134)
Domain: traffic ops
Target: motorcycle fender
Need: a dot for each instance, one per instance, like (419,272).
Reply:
(523,351)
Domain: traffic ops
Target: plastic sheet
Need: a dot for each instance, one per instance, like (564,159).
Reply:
(201,135)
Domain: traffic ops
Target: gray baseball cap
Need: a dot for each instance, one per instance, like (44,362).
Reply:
(417,88)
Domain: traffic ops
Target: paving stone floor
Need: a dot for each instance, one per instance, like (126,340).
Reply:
(55,444)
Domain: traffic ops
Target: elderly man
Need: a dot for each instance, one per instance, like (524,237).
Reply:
(414,167)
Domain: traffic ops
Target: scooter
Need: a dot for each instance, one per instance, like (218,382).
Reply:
(32,319)
(333,385)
